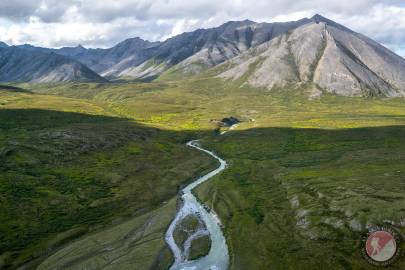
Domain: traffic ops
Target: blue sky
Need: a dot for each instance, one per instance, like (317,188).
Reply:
(94,23)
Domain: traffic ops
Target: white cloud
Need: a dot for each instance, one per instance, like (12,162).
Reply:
(181,26)
(95,23)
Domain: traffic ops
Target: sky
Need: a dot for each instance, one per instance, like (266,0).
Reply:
(102,24)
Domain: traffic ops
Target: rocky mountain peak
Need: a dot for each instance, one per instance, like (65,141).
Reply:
(237,23)
(319,18)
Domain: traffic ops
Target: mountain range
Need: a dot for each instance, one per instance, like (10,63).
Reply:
(316,52)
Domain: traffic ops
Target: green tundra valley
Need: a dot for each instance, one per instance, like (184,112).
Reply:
(247,146)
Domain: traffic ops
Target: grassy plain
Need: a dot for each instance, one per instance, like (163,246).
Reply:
(307,176)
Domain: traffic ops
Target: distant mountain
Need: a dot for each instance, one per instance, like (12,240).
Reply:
(3,45)
(30,65)
(324,54)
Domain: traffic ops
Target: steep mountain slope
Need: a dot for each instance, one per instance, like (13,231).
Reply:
(24,65)
(325,54)
(3,45)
